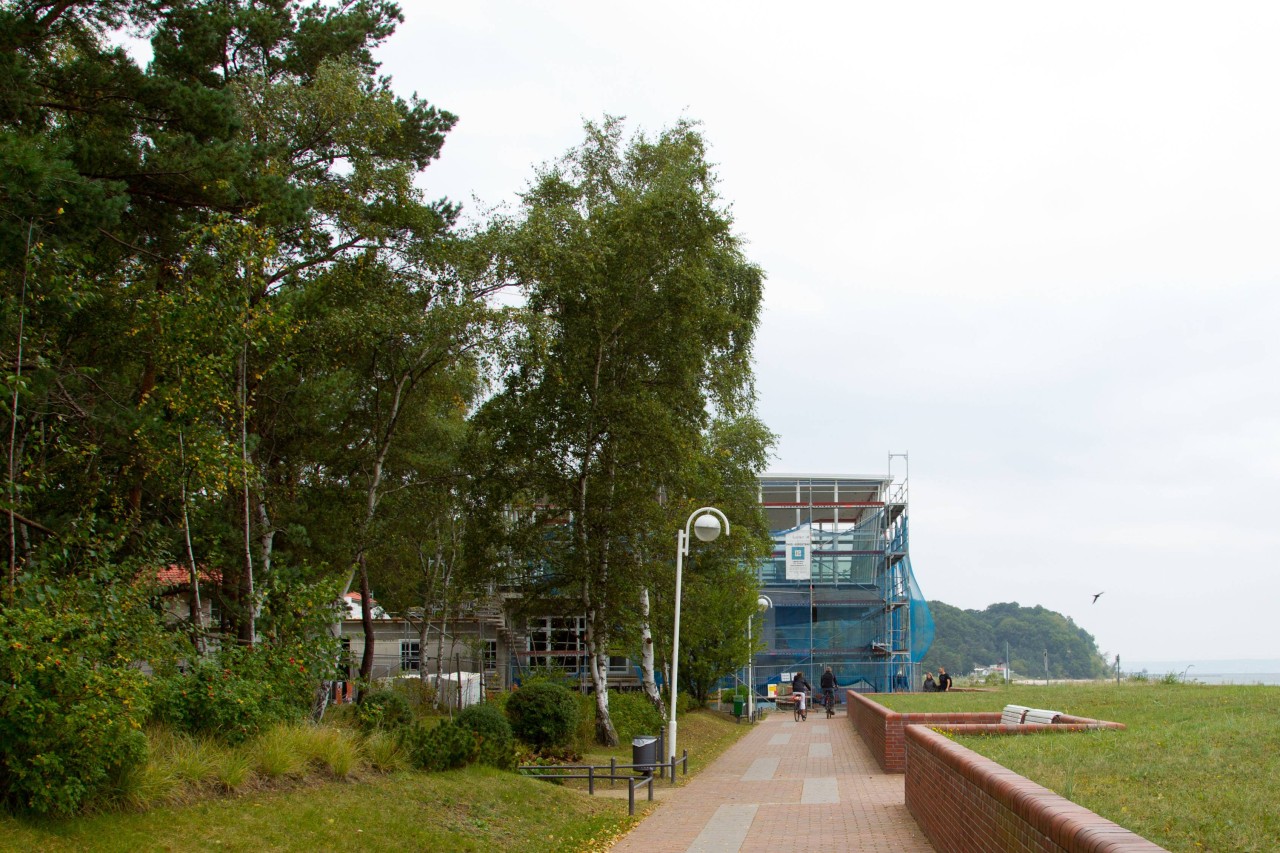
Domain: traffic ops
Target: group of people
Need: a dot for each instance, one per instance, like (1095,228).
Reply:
(941,685)
(801,688)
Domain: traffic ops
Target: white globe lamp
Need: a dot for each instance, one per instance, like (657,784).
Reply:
(706,528)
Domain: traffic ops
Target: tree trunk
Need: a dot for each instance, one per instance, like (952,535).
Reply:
(646,657)
(196,611)
(366,623)
(598,658)
(13,421)
(248,599)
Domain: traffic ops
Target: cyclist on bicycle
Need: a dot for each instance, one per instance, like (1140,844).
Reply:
(829,691)
(800,688)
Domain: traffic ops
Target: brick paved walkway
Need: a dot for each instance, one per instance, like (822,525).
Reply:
(813,783)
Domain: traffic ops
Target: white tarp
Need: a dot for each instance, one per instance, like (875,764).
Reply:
(799,554)
(457,689)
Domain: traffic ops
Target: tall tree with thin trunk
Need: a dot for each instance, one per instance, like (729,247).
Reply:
(641,311)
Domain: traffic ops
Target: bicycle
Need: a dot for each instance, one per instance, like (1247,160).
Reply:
(800,713)
(829,701)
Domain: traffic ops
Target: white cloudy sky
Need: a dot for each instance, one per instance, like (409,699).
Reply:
(1033,246)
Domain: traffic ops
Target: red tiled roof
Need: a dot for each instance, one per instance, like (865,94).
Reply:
(175,575)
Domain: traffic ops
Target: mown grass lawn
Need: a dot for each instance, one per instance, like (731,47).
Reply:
(1198,767)
(476,809)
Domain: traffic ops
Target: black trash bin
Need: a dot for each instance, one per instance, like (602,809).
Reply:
(644,753)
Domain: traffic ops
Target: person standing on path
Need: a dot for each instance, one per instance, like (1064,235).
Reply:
(944,680)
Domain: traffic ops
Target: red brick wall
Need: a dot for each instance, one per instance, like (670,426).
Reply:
(964,802)
(882,730)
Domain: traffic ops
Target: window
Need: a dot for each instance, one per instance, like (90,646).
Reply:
(344,660)
(489,655)
(557,641)
(410,656)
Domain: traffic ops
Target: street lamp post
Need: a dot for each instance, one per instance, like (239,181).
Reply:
(706,526)
(763,603)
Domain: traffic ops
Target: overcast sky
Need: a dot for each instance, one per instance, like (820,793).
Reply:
(1034,246)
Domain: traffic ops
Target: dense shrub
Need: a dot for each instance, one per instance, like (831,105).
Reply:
(444,746)
(236,693)
(633,714)
(72,702)
(417,691)
(383,709)
(496,741)
(543,714)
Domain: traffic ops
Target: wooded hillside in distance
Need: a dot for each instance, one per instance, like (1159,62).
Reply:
(966,639)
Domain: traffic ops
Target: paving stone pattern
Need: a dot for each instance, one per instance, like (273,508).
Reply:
(819,788)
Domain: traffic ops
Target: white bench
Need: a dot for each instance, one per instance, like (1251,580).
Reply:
(1013,715)
(1041,716)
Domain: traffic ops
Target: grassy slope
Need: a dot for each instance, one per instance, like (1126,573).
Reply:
(1197,769)
(474,809)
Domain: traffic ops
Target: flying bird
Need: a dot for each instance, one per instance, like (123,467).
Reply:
(1096,597)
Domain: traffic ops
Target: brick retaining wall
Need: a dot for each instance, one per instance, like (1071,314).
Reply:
(964,802)
(882,730)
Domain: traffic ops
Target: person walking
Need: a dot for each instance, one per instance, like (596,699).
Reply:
(930,686)
(944,680)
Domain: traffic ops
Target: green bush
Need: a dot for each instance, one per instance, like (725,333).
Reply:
(72,703)
(687,702)
(633,714)
(496,740)
(383,709)
(444,746)
(543,714)
(236,693)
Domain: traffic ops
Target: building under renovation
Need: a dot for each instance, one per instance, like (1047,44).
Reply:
(839,590)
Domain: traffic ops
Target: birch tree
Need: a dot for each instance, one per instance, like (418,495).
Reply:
(641,312)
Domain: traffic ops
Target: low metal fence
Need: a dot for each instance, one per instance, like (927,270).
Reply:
(595,772)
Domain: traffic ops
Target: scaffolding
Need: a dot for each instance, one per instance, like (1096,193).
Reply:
(839,583)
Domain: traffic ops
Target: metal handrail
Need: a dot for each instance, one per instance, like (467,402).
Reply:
(613,767)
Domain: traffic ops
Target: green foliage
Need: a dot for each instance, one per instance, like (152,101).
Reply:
(686,702)
(494,731)
(444,746)
(72,702)
(235,694)
(543,715)
(281,752)
(335,750)
(964,638)
(383,709)
(640,315)
(385,752)
(633,714)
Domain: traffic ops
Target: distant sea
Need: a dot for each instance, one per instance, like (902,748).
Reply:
(1209,671)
